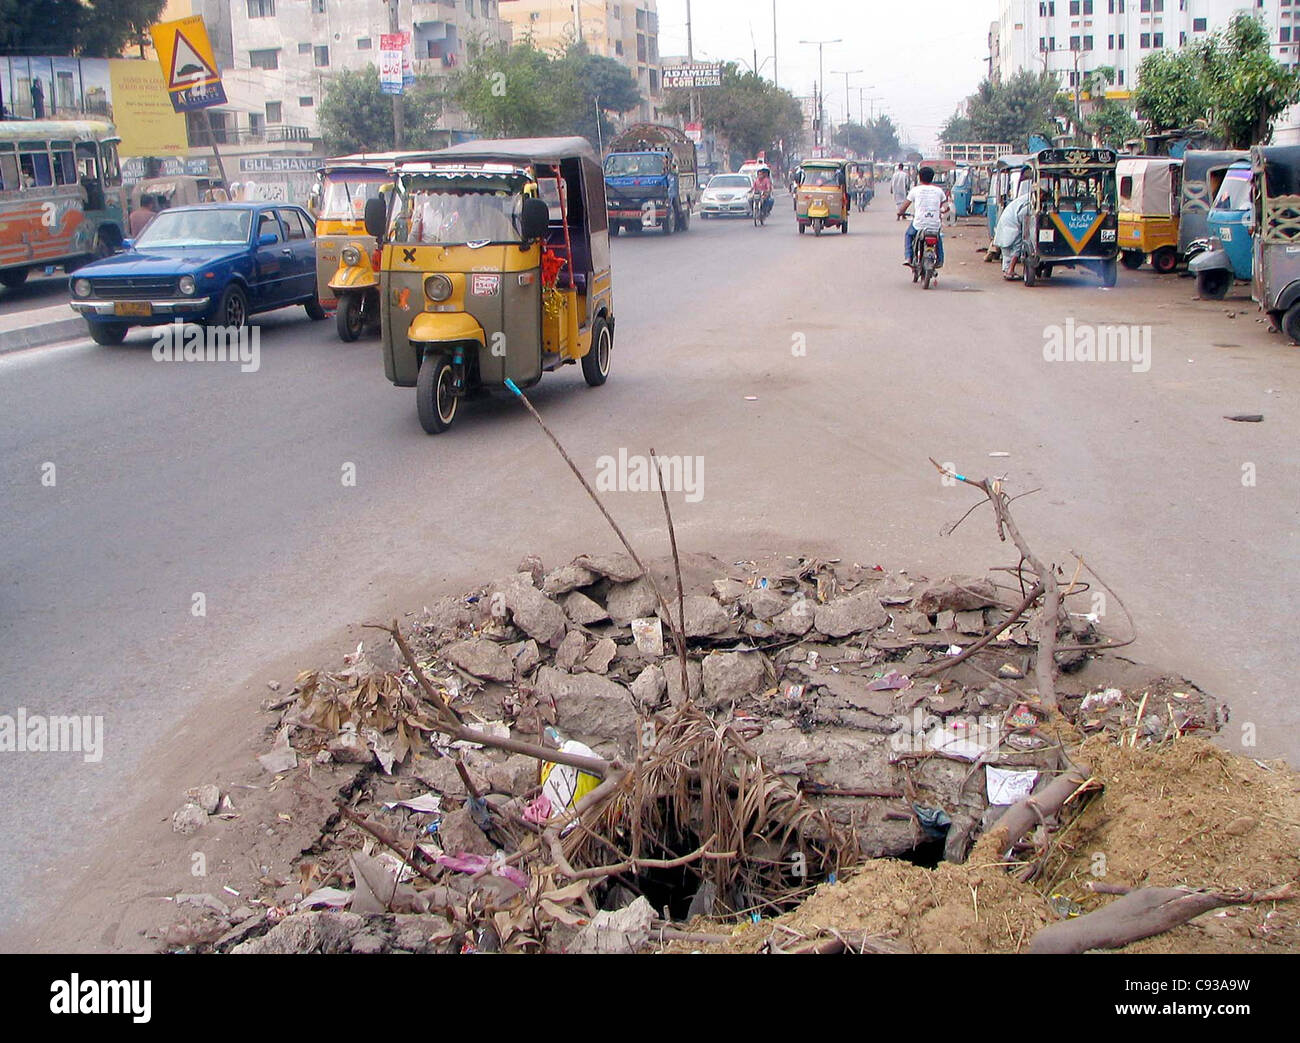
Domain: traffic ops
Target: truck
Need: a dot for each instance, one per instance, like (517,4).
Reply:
(651,179)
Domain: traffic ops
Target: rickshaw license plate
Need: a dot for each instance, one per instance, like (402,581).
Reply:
(132,308)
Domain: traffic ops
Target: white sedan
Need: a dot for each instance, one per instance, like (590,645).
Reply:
(727,194)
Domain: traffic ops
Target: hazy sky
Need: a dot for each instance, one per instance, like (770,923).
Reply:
(920,57)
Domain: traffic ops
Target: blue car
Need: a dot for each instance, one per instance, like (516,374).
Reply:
(216,263)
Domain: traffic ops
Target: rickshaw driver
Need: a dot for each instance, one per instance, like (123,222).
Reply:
(930,203)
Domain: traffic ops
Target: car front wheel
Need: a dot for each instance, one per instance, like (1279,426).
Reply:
(232,311)
(107,334)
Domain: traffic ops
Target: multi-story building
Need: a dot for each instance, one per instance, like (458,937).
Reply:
(625,30)
(1075,37)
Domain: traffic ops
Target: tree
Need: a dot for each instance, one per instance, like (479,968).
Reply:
(91,28)
(878,137)
(956,128)
(747,111)
(1111,124)
(1028,103)
(1229,79)
(356,116)
(591,83)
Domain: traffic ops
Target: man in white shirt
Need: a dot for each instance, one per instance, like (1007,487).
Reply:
(928,202)
(898,186)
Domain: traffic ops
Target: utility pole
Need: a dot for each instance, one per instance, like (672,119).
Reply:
(577,19)
(846,73)
(690,53)
(399,116)
(776,82)
(821,84)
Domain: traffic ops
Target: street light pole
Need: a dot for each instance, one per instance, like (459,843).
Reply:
(776,82)
(846,73)
(821,86)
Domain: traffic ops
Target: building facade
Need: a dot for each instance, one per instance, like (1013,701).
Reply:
(625,30)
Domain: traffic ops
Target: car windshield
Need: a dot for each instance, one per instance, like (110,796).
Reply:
(433,210)
(634,165)
(344,199)
(196,228)
(1234,194)
(729,181)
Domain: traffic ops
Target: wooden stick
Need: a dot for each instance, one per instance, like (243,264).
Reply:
(678,629)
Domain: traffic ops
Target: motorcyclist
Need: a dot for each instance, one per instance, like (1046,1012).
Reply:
(928,202)
(763,188)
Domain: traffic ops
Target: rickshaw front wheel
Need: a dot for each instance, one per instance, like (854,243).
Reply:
(1133,259)
(1031,271)
(1214,284)
(347,319)
(1291,323)
(1109,273)
(595,364)
(434,400)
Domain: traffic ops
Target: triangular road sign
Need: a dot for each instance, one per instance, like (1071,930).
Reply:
(189,68)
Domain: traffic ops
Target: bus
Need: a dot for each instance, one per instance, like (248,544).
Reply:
(61,197)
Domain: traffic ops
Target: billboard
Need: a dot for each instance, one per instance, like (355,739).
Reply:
(691,76)
(141,110)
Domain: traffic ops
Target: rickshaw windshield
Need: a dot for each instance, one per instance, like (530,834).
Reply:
(1234,194)
(435,208)
(820,177)
(1062,191)
(344,197)
(1282,179)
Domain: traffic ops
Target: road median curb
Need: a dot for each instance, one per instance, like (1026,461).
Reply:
(42,335)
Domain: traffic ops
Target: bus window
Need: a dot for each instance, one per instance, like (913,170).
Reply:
(8,169)
(34,162)
(86,159)
(112,172)
(65,170)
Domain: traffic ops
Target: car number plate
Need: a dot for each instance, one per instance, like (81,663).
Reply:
(132,308)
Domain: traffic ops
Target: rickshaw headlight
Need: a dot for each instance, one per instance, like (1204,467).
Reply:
(437,287)
(186,285)
(81,287)
(350,256)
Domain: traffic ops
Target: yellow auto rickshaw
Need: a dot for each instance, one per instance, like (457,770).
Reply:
(346,280)
(493,267)
(822,195)
(1150,195)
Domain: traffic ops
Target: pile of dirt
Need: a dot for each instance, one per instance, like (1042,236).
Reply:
(821,729)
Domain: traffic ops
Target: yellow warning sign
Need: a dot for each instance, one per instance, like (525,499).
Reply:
(185,54)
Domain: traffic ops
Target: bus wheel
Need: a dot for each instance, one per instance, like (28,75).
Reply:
(595,364)
(13,277)
(434,400)
(107,334)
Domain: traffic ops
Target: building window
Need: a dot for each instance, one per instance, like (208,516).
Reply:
(1199,25)
(1074,7)
(322,57)
(306,102)
(274,112)
(1074,43)
(1121,41)
(363,44)
(1087,43)
(261,8)
(1158,40)
(256,124)
(1284,34)
(267,59)
(304,48)
(1144,41)
(318,6)
(618,48)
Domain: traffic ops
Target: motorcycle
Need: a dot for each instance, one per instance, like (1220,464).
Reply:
(925,258)
(760,206)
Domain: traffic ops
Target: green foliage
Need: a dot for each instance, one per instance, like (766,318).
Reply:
(90,28)
(1112,124)
(1229,79)
(747,111)
(1011,111)
(356,116)
(522,91)
(878,137)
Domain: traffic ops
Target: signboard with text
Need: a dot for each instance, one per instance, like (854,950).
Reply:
(396,73)
(692,76)
(189,67)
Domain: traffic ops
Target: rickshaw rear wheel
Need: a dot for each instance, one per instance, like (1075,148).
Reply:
(434,401)
(1291,323)
(595,364)
(1031,271)
(844,227)
(1109,273)
(802,228)
(1213,285)
(1133,259)
(1165,260)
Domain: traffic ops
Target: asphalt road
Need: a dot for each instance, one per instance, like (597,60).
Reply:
(809,374)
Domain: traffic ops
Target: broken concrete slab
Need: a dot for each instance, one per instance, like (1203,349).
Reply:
(589,705)
(571,650)
(459,834)
(582,610)
(851,615)
(601,655)
(969,622)
(764,603)
(704,616)
(617,567)
(628,601)
(796,620)
(567,578)
(533,612)
(481,658)
(958,593)
(650,686)
(731,676)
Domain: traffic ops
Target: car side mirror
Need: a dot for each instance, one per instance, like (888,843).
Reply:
(535,220)
(376,217)
(127,244)
(267,239)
